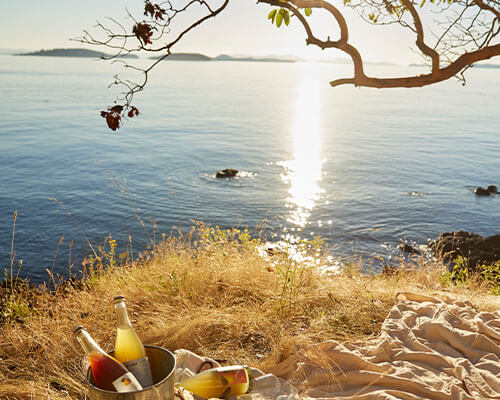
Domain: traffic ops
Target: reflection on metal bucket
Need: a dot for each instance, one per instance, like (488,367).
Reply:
(162,363)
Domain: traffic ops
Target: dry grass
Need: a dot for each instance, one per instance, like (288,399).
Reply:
(217,297)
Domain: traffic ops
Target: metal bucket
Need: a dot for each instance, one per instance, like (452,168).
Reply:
(162,363)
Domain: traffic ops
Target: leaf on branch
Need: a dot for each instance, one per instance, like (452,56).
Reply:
(133,112)
(389,7)
(149,9)
(112,117)
(116,109)
(143,32)
(279,19)
(113,121)
(286,17)
(272,15)
(154,10)
(308,11)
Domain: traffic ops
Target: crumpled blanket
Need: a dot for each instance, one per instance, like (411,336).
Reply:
(429,348)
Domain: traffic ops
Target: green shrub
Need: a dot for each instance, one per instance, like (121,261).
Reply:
(461,273)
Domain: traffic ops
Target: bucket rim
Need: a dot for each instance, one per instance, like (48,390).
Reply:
(147,346)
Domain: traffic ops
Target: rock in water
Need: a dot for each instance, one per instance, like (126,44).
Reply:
(479,191)
(226,173)
(406,248)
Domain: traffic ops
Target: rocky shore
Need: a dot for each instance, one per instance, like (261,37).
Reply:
(476,248)
(449,246)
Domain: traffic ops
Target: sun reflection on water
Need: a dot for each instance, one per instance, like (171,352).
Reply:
(304,172)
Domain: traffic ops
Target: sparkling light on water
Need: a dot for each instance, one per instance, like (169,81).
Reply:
(304,172)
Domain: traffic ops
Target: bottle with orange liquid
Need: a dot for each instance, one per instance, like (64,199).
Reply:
(109,373)
(128,347)
(218,382)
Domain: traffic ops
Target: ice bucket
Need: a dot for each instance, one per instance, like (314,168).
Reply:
(162,363)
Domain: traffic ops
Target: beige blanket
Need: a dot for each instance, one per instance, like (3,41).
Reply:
(428,349)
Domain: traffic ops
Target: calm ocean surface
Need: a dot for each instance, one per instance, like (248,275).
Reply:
(362,168)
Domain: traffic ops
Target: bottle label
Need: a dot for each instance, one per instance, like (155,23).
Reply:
(232,376)
(127,383)
(140,368)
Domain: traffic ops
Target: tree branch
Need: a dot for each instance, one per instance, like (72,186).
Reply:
(160,19)
(455,67)
(484,6)
(426,79)
(433,54)
(340,44)
(469,36)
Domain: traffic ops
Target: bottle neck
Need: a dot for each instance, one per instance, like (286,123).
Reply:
(121,313)
(89,345)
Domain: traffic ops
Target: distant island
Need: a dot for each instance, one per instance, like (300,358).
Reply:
(486,66)
(478,65)
(172,57)
(200,57)
(73,53)
(222,57)
(186,57)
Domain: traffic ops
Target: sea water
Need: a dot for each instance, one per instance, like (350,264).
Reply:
(361,168)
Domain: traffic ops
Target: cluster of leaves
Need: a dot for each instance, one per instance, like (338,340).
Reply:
(460,272)
(279,16)
(143,32)
(394,8)
(113,115)
(491,274)
(283,15)
(154,10)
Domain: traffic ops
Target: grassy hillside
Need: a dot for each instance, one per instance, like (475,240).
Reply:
(213,292)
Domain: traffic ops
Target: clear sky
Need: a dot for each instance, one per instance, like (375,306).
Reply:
(242,28)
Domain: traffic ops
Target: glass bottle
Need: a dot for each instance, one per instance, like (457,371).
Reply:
(109,373)
(128,347)
(218,382)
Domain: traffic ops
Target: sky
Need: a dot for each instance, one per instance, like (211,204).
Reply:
(242,28)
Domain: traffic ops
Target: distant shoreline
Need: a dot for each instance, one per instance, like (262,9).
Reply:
(474,65)
(83,53)
(223,57)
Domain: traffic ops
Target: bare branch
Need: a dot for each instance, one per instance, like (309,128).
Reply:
(161,16)
(482,5)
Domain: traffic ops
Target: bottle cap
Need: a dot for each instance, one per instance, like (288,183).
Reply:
(78,329)
(118,298)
